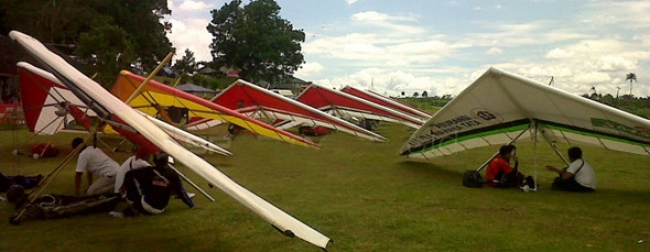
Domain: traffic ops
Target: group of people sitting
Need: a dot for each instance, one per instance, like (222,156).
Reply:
(146,188)
(579,176)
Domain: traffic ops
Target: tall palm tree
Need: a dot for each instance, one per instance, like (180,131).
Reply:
(631,77)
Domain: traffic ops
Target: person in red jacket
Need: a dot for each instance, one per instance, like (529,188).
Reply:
(499,172)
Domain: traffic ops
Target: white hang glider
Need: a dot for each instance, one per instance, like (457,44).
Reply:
(109,108)
(499,107)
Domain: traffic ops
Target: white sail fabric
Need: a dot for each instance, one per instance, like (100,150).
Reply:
(498,106)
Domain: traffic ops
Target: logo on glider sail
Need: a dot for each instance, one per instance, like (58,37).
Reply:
(439,129)
(612,125)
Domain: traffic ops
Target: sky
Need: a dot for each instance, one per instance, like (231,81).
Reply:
(442,46)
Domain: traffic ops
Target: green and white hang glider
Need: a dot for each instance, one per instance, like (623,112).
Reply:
(500,107)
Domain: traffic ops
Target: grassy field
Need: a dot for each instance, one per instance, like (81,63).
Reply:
(362,195)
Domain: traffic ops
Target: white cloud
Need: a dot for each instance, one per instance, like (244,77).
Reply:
(373,16)
(388,23)
(401,52)
(191,34)
(494,50)
(393,83)
(558,53)
(611,63)
(309,69)
(591,77)
(191,5)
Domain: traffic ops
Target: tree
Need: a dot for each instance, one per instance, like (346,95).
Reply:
(66,22)
(631,77)
(112,47)
(403,94)
(255,40)
(425,94)
(186,64)
(416,94)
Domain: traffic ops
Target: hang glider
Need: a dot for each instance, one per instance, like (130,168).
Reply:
(252,100)
(49,106)
(160,100)
(387,102)
(347,106)
(500,107)
(108,107)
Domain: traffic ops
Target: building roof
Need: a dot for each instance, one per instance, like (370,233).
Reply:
(191,88)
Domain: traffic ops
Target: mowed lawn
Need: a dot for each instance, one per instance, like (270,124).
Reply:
(362,195)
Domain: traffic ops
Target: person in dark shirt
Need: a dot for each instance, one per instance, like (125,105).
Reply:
(149,189)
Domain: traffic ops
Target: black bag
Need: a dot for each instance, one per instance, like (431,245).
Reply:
(473,179)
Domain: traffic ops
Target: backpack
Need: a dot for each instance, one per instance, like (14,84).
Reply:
(473,179)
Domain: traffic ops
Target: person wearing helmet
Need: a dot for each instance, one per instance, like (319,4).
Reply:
(149,189)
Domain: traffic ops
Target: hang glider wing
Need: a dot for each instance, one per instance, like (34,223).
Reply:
(253,100)
(387,102)
(48,105)
(157,99)
(183,136)
(109,107)
(347,106)
(59,106)
(499,106)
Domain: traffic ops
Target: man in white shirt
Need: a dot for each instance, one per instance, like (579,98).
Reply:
(95,162)
(578,177)
(136,161)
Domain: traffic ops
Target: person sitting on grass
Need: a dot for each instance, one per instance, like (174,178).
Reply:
(499,172)
(139,160)
(578,177)
(149,189)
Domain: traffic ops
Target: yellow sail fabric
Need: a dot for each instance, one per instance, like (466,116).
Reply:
(160,100)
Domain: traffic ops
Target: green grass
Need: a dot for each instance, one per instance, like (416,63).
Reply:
(362,195)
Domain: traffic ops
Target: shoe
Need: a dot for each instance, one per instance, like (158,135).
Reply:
(191,195)
(116,214)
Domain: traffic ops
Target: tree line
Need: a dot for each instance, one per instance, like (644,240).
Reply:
(113,35)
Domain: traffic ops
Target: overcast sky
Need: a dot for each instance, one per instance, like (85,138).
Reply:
(442,46)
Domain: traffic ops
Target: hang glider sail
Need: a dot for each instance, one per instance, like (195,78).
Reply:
(387,102)
(499,107)
(252,100)
(347,106)
(108,107)
(157,99)
(48,105)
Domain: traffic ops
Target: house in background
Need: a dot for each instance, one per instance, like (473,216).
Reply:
(199,91)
